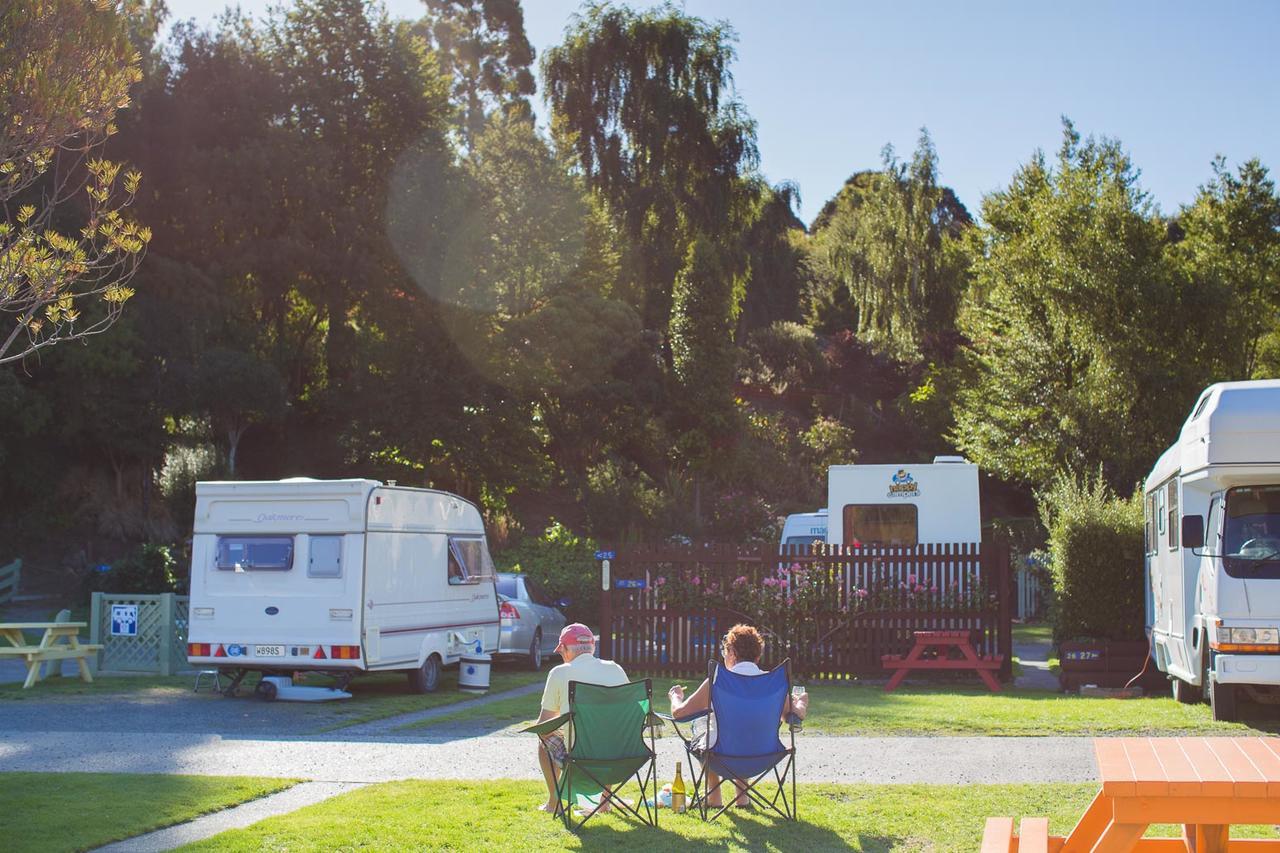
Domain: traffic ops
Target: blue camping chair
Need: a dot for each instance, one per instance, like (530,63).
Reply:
(748,711)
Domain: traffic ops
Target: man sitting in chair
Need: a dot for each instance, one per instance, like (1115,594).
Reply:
(741,648)
(578,648)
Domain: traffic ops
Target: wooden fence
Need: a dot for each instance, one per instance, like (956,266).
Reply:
(834,611)
(9,576)
(156,641)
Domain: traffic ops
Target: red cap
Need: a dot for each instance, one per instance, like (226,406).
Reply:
(576,634)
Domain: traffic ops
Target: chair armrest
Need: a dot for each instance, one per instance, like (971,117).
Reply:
(548,726)
(689,719)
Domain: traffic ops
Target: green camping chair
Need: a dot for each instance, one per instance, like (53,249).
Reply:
(607,749)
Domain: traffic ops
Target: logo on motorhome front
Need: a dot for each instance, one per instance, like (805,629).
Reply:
(903,485)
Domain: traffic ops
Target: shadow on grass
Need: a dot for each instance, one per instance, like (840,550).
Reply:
(749,830)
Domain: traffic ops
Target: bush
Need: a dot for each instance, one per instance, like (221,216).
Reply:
(565,564)
(1095,551)
(150,569)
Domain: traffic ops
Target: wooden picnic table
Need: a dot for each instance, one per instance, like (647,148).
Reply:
(60,641)
(1204,783)
(942,644)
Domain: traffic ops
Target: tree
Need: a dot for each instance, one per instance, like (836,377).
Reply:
(236,390)
(887,259)
(1231,246)
(483,49)
(65,70)
(1078,325)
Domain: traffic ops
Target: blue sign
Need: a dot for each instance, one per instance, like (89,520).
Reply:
(124,620)
(605,555)
(629,584)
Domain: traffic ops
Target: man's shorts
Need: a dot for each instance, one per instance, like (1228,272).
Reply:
(556,748)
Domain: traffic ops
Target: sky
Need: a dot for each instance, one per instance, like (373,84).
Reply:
(831,82)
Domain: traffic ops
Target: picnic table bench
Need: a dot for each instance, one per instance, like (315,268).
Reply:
(1204,784)
(60,641)
(942,644)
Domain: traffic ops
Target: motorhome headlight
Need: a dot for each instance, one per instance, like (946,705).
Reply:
(202,612)
(1232,637)
(339,612)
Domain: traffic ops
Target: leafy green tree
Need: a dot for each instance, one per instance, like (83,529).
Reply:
(890,248)
(1231,246)
(66,67)
(482,47)
(1077,325)
(236,390)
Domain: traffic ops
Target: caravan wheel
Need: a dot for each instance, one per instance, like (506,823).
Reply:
(427,678)
(1222,698)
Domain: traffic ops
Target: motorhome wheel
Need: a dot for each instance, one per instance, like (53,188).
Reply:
(427,678)
(1222,698)
(535,651)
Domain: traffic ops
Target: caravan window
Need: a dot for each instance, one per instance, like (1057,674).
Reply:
(468,560)
(326,557)
(255,553)
(880,524)
(1174,524)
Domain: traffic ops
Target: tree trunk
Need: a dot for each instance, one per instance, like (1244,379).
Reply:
(233,437)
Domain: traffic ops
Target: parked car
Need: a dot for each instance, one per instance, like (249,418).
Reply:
(530,622)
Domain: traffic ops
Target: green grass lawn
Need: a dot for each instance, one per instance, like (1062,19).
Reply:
(1037,632)
(78,811)
(941,710)
(500,815)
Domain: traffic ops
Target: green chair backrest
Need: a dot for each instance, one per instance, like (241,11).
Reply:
(608,722)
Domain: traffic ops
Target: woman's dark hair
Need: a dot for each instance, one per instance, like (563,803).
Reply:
(746,643)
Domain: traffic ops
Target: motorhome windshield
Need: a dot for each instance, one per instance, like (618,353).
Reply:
(803,540)
(255,553)
(1251,532)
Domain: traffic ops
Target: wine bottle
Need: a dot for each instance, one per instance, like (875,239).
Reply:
(677,792)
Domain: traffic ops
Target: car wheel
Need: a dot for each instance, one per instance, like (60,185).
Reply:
(535,651)
(1187,694)
(1222,698)
(426,678)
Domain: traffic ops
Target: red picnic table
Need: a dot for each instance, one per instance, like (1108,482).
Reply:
(1206,784)
(944,645)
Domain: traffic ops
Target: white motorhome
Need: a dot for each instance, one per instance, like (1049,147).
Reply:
(904,504)
(805,528)
(338,576)
(1212,506)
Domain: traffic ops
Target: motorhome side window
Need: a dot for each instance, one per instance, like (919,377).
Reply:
(1173,514)
(468,560)
(255,553)
(326,557)
(881,524)
(1148,540)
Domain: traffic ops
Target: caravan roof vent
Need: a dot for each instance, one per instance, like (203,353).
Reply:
(944,460)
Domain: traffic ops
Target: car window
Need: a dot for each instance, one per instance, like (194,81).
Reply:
(507,587)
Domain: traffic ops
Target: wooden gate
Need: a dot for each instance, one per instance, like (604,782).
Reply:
(834,611)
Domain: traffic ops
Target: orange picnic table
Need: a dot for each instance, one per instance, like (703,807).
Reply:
(937,650)
(1204,784)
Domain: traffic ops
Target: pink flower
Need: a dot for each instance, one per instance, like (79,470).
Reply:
(919,588)
(933,588)
(911,579)
(862,593)
(697,581)
(796,567)
(661,580)
(739,580)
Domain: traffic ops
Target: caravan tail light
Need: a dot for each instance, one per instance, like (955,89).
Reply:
(320,655)
(344,652)
(199,650)
(221,652)
(507,610)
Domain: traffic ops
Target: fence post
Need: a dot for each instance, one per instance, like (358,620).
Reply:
(166,633)
(1006,610)
(95,629)
(606,611)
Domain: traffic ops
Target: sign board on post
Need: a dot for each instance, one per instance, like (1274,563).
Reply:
(605,555)
(630,584)
(124,620)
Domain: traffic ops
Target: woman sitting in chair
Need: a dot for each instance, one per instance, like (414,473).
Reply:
(741,648)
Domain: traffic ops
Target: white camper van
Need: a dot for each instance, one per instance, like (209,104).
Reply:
(339,576)
(1213,548)
(805,528)
(904,504)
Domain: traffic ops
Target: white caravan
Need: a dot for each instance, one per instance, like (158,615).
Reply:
(904,504)
(805,528)
(339,576)
(1212,506)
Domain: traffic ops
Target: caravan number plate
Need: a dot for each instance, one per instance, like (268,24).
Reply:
(268,651)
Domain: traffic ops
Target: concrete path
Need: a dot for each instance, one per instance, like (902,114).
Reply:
(945,760)
(388,725)
(1034,661)
(237,817)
